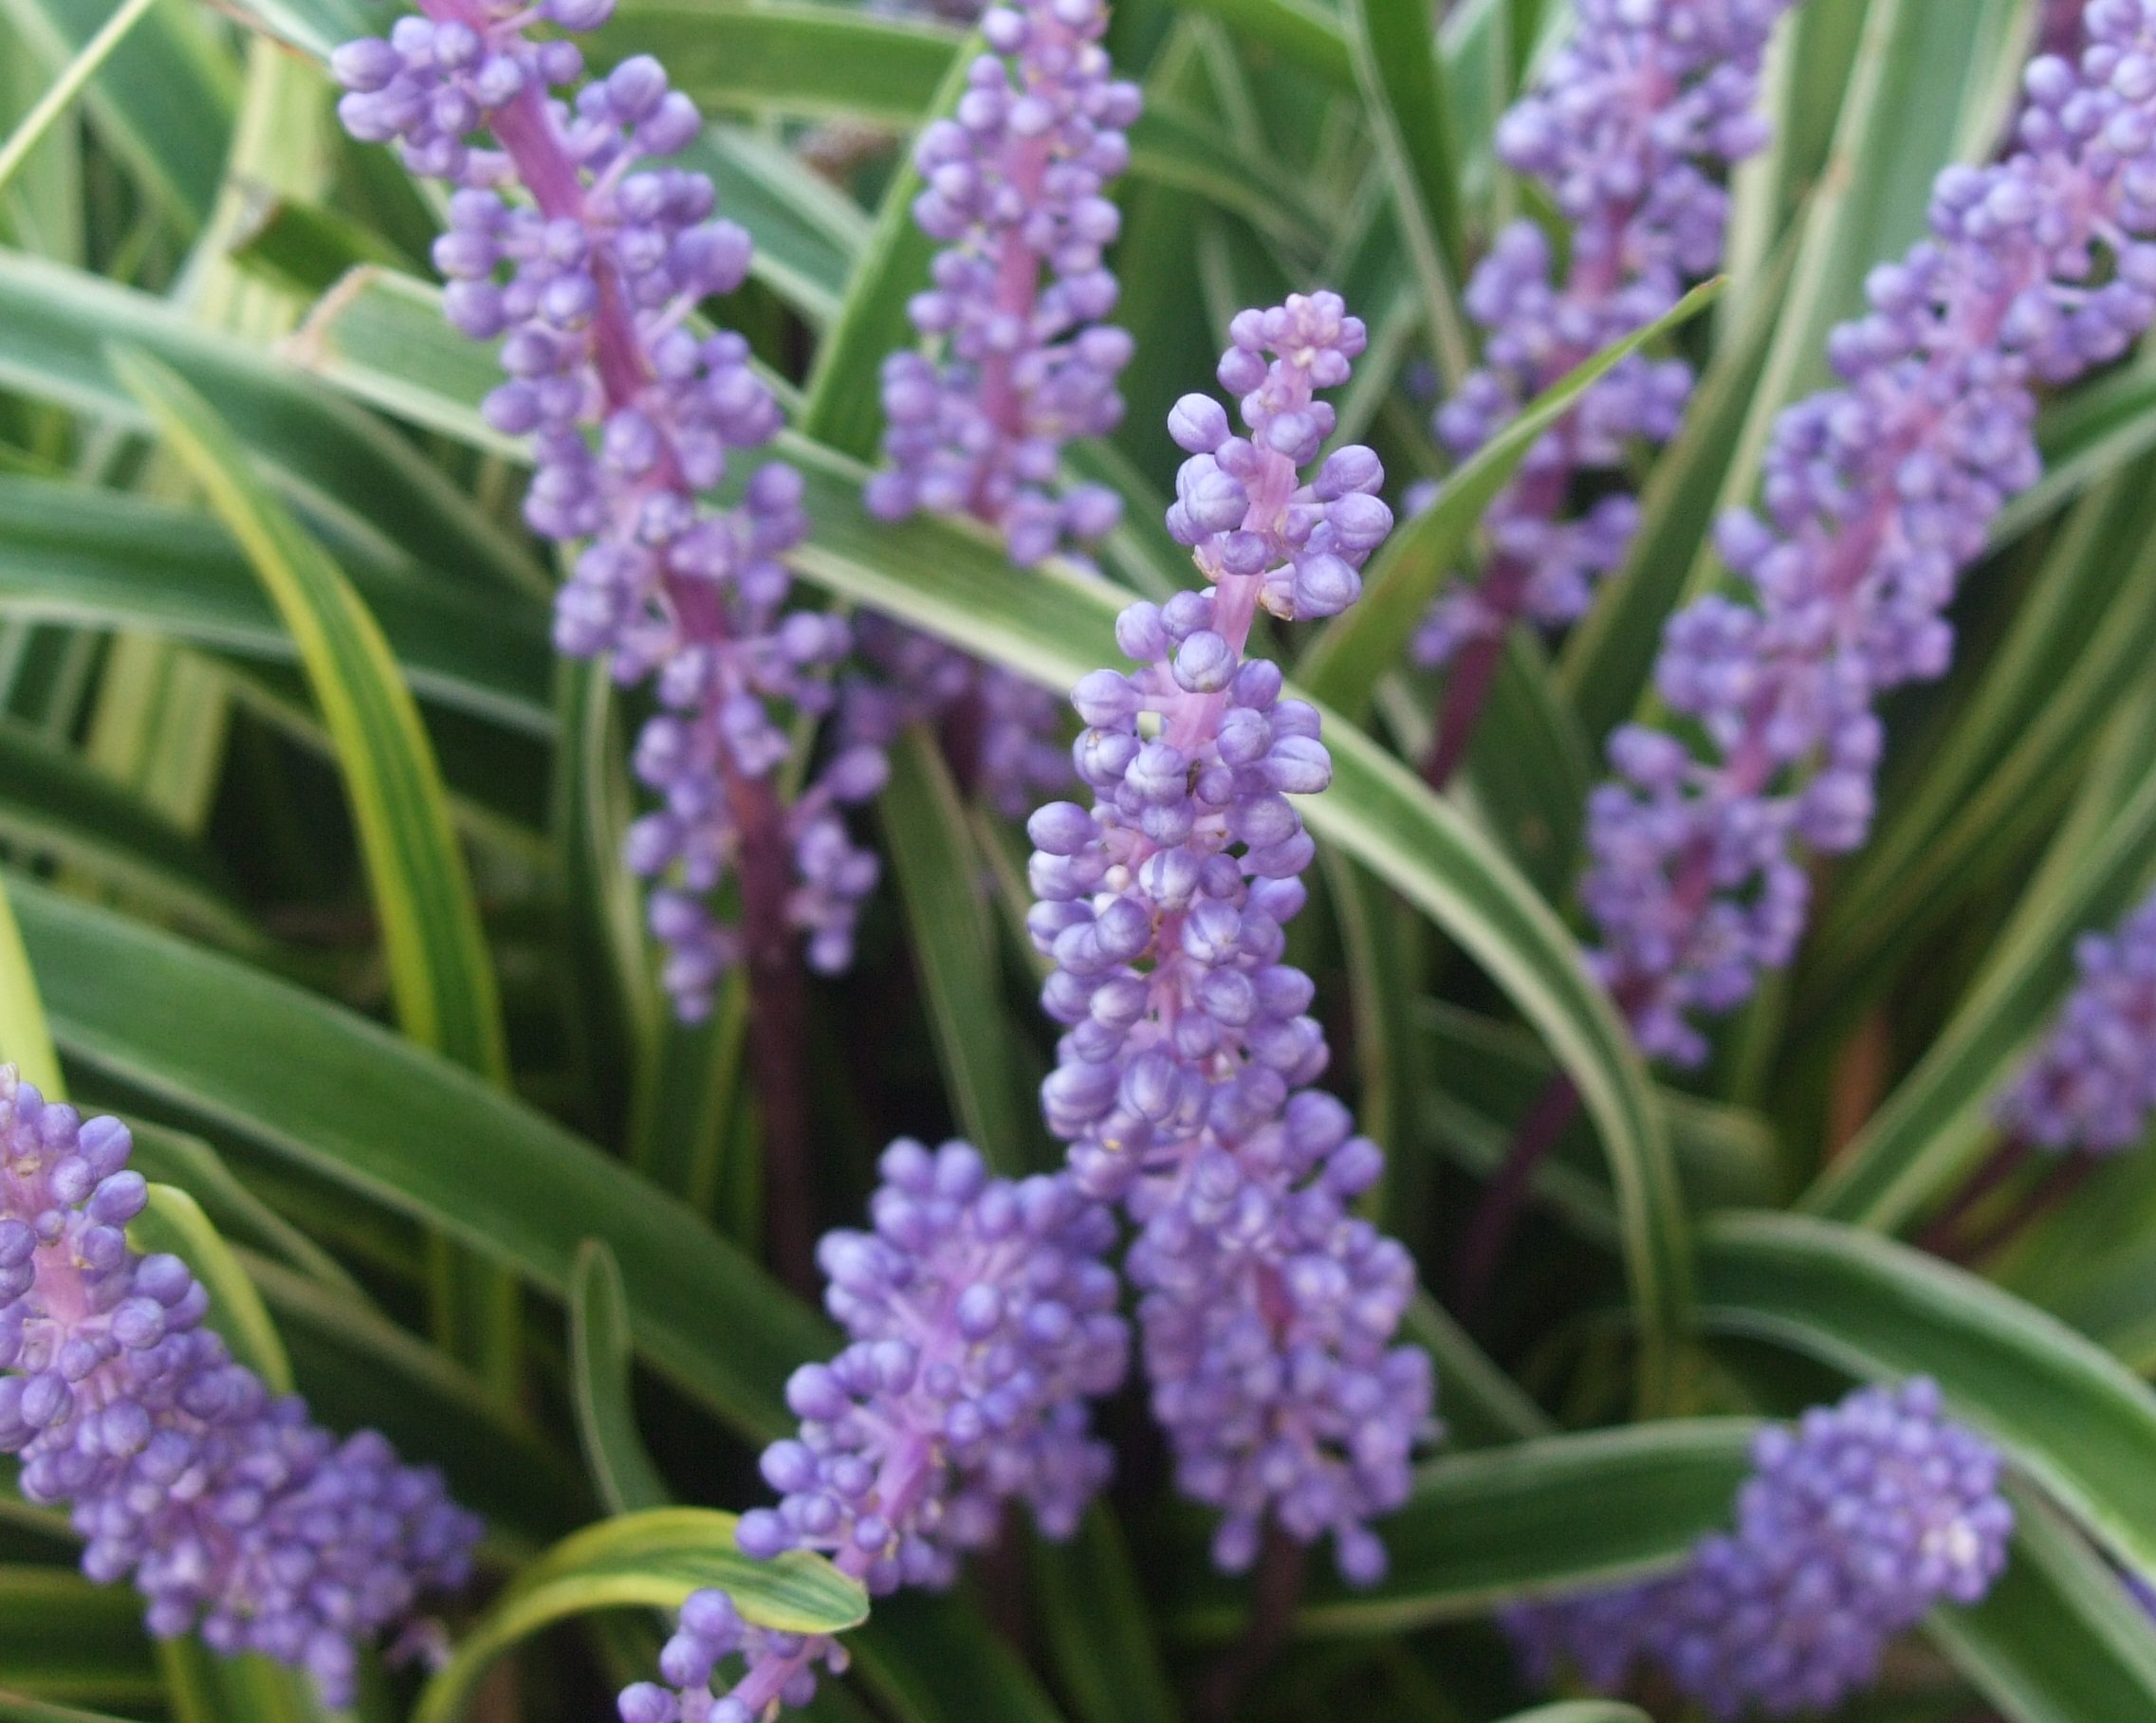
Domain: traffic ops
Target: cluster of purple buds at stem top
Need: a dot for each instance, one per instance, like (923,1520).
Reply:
(981,1317)
(230,1511)
(2091,1085)
(1878,493)
(1017,361)
(1020,361)
(575,243)
(1268,1310)
(1852,1528)
(1628,132)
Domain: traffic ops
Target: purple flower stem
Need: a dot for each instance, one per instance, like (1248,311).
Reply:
(2001,1164)
(1490,1228)
(1276,1595)
(778,1009)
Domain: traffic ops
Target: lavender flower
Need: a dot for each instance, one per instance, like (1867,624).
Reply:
(229,1510)
(1852,1528)
(1878,493)
(1015,189)
(1180,1083)
(1638,115)
(1019,359)
(981,1317)
(2092,1084)
(589,280)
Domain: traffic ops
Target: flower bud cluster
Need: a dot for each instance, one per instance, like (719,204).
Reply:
(1852,1527)
(1019,360)
(2091,1086)
(1878,493)
(574,244)
(228,1509)
(1629,131)
(1015,188)
(981,1317)
(1268,1311)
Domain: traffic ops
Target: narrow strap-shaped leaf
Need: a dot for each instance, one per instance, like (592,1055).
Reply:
(1307,35)
(14,1708)
(103,558)
(2058,1638)
(1938,1115)
(2068,1413)
(1389,43)
(440,972)
(53,802)
(790,57)
(1582,1711)
(932,1660)
(1100,1633)
(202,1687)
(1343,665)
(292,1076)
(59,329)
(843,404)
(654,1559)
(2008,757)
(60,1634)
(942,884)
(601,1355)
(1538,1518)
(26,1038)
(164,102)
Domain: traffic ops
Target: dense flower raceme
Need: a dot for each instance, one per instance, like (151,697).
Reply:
(981,1317)
(230,1511)
(1014,186)
(1878,493)
(1267,1310)
(1627,131)
(1019,362)
(589,279)
(1852,1525)
(2091,1086)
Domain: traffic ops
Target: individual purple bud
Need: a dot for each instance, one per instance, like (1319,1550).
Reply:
(1325,585)
(1198,424)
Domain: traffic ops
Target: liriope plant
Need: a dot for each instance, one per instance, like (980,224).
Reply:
(614,618)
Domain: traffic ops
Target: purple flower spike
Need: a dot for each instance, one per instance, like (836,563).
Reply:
(982,1318)
(574,244)
(1878,494)
(1629,133)
(2092,1084)
(229,1510)
(1852,1527)
(1020,359)
(1268,1311)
